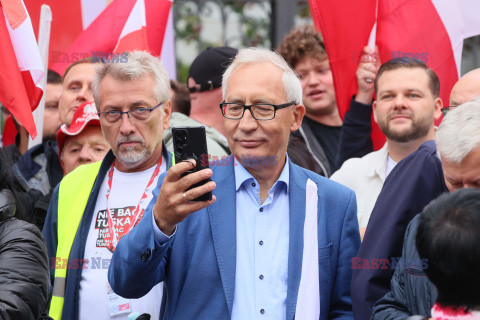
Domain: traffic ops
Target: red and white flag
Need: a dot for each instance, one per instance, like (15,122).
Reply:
(20,64)
(124,25)
(429,30)
(134,33)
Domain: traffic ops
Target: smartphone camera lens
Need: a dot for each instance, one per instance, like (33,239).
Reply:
(179,150)
(182,135)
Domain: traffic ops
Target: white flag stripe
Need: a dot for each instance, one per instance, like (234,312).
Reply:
(26,49)
(460,18)
(308,300)
(90,10)
(168,48)
(136,20)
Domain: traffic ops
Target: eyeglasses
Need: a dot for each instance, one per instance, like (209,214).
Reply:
(141,114)
(262,111)
(447,110)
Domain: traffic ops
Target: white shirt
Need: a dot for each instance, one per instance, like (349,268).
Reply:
(365,176)
(389,166)
(127,188)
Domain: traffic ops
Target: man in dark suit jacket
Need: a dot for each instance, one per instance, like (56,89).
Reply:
(413,183)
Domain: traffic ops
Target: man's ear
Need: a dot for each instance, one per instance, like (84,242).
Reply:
(374,105)
(167,109)
(298,114)
(438,109)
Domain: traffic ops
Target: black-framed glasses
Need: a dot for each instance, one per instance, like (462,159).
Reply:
(259,111)
(141,114)
(447,110)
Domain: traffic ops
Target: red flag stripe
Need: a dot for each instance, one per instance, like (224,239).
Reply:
(345,30)
(66,23)
(12,88)
(413,28)
(136,39)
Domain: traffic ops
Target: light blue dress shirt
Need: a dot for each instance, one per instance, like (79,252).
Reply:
(262,247)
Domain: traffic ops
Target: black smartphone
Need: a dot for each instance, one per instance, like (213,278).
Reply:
(191,143)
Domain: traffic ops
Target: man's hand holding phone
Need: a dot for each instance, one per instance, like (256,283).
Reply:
(174,203)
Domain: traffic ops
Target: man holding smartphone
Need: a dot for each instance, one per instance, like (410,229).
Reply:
(97,204)
(275,241)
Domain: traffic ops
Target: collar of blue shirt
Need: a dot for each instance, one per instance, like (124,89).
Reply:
(242,176)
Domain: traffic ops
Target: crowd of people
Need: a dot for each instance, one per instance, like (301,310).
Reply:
(327,228)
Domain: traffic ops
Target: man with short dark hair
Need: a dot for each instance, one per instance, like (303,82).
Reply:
(77,89)
(411,185)
(51,116)
(411,293)
(406,106)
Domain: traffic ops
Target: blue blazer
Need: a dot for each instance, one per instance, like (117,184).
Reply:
(198,262)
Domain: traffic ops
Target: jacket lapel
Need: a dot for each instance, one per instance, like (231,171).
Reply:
(295,250)
(222,215)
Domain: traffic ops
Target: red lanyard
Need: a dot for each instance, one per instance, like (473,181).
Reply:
(112,239)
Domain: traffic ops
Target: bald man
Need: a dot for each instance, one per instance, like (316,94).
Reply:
(466,89)
(412,184)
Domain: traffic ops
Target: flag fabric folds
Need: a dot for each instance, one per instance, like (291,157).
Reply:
(123,26)
(428,30)
(21,65)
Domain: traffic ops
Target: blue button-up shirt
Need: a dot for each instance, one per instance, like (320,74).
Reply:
(262,248)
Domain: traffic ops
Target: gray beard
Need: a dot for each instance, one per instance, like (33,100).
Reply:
(132,158)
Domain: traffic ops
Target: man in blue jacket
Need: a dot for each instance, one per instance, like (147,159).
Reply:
(275,241)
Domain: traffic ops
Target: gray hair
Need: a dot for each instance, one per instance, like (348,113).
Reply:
(459,132)
(136,65)
(291,83)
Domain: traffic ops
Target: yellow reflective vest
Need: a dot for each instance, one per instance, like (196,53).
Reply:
(73,194)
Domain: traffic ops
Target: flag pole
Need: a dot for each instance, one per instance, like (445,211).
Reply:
(43,44)
(372,39)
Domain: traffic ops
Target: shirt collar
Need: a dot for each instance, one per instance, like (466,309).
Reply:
(242,176)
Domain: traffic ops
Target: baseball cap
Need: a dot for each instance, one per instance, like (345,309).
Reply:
(208,67)
(85,115)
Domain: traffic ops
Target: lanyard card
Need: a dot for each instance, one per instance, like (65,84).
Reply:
(116,304)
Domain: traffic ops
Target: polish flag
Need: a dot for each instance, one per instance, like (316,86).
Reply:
(71,18)
(123,26)
(20,64)
(134,33)
(429,30)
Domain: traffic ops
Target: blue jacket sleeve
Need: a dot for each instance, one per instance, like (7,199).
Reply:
(412,184)
(341,303)
(50,229)
(139,261)
(355,140)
